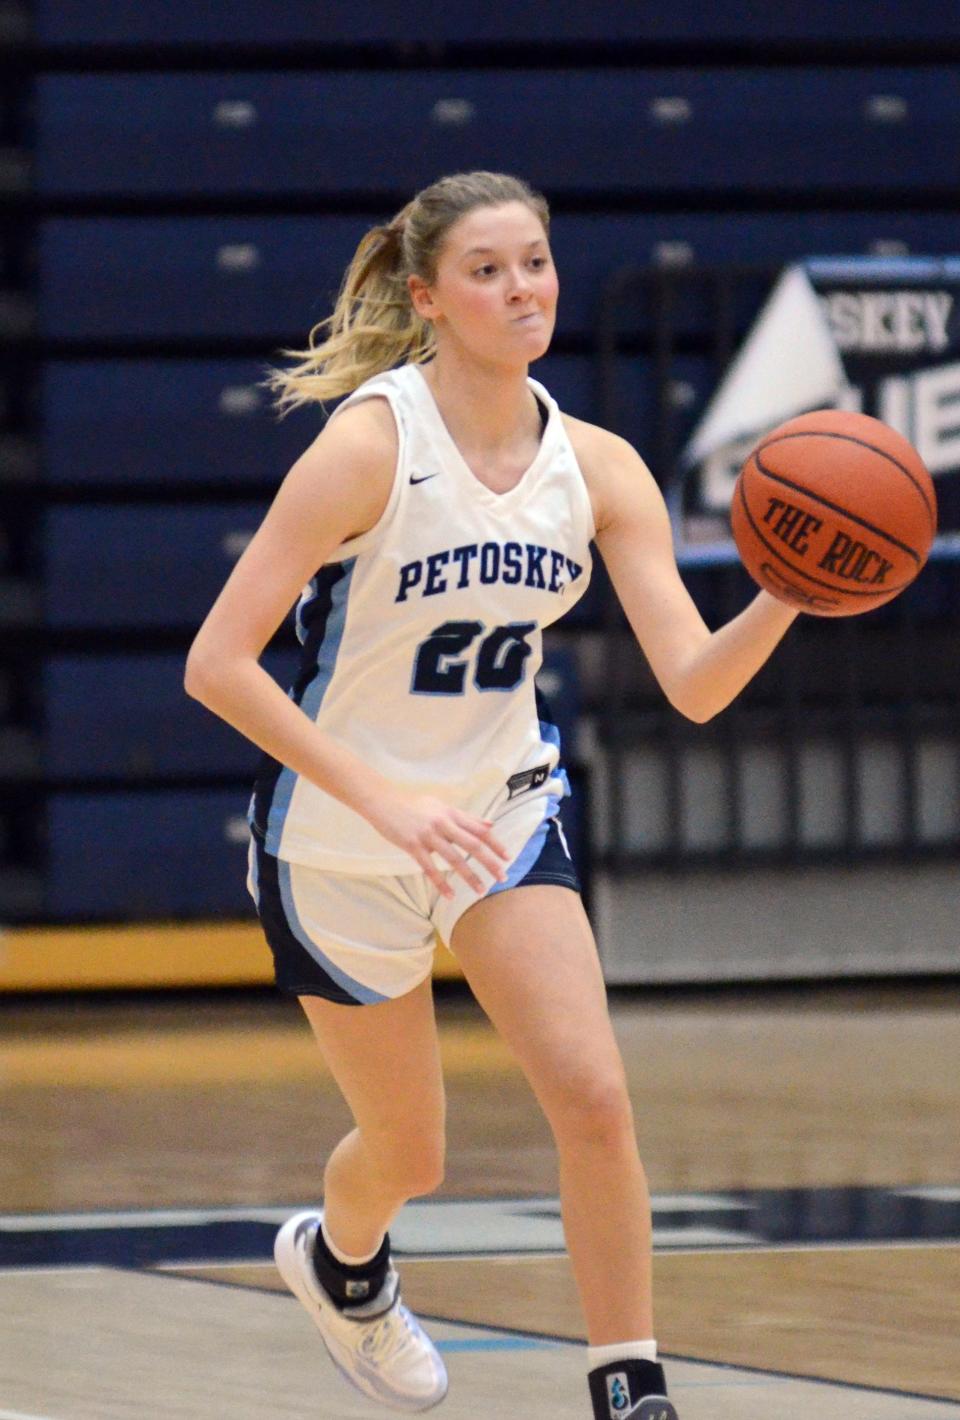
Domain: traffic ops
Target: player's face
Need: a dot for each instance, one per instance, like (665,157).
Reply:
(496,285)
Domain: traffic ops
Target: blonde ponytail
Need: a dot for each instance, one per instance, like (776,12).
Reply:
(374,326)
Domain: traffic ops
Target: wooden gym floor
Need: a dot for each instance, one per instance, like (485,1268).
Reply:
(803,1147)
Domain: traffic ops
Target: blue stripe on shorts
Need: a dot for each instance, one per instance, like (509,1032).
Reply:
(543,858)
(300,966)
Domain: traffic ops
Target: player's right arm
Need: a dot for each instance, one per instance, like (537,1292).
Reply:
(335,491)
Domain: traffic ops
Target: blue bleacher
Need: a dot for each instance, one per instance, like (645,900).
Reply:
(140,566)
(298,22)
(162,853)
(126,423)
(195,211)
(168,423)
(104,278)
(122,716)
(610,131)
(268,279)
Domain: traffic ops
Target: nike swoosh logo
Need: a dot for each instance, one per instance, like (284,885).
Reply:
(424,479)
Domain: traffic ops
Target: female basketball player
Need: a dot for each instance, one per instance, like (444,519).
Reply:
(411,781)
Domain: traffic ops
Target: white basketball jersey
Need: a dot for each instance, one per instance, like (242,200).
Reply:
(421,638)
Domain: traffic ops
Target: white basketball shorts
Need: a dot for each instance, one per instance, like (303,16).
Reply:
(360,940)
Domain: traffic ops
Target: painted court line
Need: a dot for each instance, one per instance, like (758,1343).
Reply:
(869,1245)
(137,1218)
(731,1374)
(47,1268)
(19,1415)
(495,1343)
(930,1195)
(254,1213)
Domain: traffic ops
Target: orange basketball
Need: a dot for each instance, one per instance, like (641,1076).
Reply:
(834,513)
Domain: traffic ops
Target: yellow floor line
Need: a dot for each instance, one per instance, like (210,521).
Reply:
(145,955)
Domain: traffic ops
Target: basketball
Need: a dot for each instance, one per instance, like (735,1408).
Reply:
(834,513)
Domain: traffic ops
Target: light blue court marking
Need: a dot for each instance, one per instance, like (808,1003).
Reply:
(497,1343)
(531,1226)
(746,1383)
(730,1381)
(932,1195)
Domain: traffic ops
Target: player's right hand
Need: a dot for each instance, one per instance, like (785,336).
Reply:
(427,829)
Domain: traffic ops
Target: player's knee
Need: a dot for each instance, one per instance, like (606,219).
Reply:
(594,1108)
(425,1169)
(413,1162)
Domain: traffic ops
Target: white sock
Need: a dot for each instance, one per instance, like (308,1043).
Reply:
(621,1351)
(345,1257)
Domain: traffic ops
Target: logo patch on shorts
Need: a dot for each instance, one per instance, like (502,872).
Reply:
(527,779)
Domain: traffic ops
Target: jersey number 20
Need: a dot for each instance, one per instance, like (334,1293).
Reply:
(440,667)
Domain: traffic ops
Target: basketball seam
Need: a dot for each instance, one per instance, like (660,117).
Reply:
(862,443)
(836,508)
(798,571)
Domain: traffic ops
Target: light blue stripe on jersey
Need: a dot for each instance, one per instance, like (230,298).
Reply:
(312,699)
(551,736)
(309,593)
(530,851)
(355,988)
(254,872)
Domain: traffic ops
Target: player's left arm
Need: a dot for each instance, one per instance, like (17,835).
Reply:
(699,671)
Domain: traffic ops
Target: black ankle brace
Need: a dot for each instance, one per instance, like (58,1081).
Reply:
(622,1389)
(350,1286)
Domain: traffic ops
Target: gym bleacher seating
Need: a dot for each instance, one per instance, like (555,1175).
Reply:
(198,190)
(265,280)
(322,134)
(152,23)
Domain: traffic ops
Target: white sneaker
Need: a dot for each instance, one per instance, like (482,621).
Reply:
(379,1347)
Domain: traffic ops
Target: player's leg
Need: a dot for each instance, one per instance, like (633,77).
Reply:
(531,960)
(385,1059)
(357,953)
